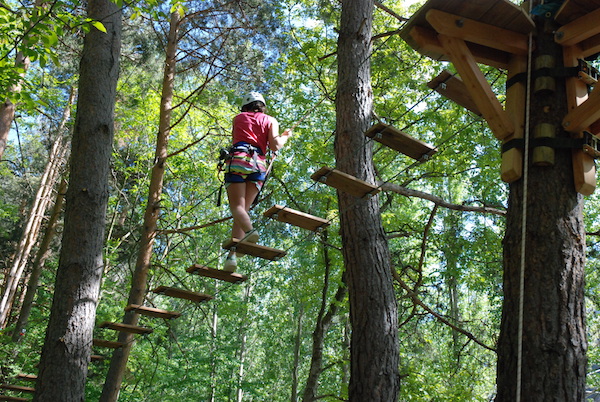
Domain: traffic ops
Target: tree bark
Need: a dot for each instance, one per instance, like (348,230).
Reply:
(552,364)
(139,281)
(68,343)
(374,351)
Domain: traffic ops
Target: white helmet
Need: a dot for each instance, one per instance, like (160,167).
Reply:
(251,97)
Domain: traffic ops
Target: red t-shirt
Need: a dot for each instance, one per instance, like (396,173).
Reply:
(253,128)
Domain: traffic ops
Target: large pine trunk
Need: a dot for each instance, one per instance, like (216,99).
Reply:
(552,364)
(374,355)
(139,282)
(67,348)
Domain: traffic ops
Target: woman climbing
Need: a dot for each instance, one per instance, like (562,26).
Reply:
(245,172)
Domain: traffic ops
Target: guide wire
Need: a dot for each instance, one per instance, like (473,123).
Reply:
(524,219)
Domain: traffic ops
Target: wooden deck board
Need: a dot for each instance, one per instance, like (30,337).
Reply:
(573,9)
(182,294)
(132,329)
(453,88)
(152,312)
(102,343)
(12,398)
(296,218)
(499,13)
(203,270)
(400,141)
(344,182)
(17,388)
(255,250)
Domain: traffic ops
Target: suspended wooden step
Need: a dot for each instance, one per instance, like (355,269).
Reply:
(344,182)
(27,377)
(152,312)
(401,142)
(132,329)
(493,29)
(203,270)
(17,388)
(574,9)
(296,218)
(255,250)
(96,358)
(182,294)
(453,88)
(12,398)
(102,343)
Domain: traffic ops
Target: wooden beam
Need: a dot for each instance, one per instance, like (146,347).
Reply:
(477,32)
(584,168)
(478,87)
(590,46)
(574,9)
(132,329)
(182,294)
(107,344)
(152,312)
(453,88)
(585,114)
(400,141)
(27,377)
(12,398)
(18,388)
(255,250)
(512,159)
(430,46)
(579,30)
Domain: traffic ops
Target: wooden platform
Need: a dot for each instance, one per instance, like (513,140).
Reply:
(152,312)
(501,14)
(400,141)
(344,182)
(27,377)
(182,294)
(255,250)
(17,388)
(132,329)
(574,9)
(102,343)
(219,274)
(12,398)
(453,88)
(296,218)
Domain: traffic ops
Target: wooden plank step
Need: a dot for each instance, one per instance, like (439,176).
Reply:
(255,250)
(27,377)
(17,388)
(182,294)
(574,9)
(453,88)
(400,141)
(107,344)
(96,358)
(296,218)
(132,329)
(12,398)
(152,312)
(219,274)
(344,182)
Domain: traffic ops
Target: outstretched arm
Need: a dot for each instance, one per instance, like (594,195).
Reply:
(276,140)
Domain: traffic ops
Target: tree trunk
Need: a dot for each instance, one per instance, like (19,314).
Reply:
(297,348)
(52,170)
(552,365)
(139,282)
(324,319)
(373,310)
(38,264)
(68,343)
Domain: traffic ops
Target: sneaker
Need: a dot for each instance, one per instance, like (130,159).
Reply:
(251,236)
(230,263)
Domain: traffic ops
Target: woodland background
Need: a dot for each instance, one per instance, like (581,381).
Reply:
(256,341)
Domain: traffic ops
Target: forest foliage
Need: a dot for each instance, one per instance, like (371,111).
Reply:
(251,338)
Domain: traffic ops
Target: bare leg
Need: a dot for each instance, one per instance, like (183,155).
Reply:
(241,196)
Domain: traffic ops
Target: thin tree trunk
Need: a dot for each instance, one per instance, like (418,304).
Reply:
(373,310)
(67,347)
(139,281)
(48,181)
(243,338)
(552,363)
(38,264)
(297,348)
(324,319)
(213,348)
